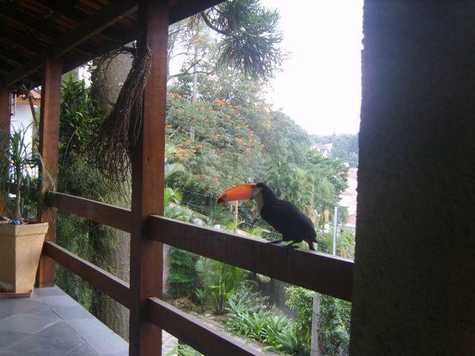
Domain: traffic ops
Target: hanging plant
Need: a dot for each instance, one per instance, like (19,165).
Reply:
(121,129)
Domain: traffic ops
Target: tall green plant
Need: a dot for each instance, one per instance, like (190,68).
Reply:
(18,166)
(219,281)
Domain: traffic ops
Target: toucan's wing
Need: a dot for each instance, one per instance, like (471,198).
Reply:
(287,219)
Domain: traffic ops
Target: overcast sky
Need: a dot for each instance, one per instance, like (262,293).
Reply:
(320,85)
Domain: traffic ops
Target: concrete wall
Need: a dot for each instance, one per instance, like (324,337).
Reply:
(414,288)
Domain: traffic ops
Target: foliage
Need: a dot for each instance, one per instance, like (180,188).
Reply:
(219,281)
(345,243)
(19,167)
(79,175)
(249,316)
(300,301)
(238,34)
(334,326)
(183,278)
(334,320)
(250,40)
(183,350)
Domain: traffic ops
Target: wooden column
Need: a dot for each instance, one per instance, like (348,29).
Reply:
(49,141)
(5,110)
(146,260)
(414,290)
(5,118)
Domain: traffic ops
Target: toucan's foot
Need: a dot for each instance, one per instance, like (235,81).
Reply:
(292,245)
(310,245)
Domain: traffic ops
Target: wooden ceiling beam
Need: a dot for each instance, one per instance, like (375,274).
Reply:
(96,24)
(74,14)
(66,9)
(89,28)
(18,37)
(37,26)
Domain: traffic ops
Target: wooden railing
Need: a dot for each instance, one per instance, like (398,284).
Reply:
(315,271)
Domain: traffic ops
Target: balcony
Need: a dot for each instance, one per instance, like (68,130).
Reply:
(413,281)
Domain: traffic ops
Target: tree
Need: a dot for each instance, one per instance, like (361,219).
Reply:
(245,38)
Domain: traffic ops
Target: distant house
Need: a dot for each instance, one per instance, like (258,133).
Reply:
(348,198)
(324,148)
(21,113)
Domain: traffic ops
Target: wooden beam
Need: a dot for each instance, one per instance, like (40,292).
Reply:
(321,273)
(194,332)
(38,26)
(49,142)
(148,182)
(76,16)
(97,277)
(109,15)
(178,11)
(5,119)
(5,110)
(101,213)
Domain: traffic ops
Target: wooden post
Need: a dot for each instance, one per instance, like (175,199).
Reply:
(4,110)
(146,260)
(5,118)
(49,141)
(414,272)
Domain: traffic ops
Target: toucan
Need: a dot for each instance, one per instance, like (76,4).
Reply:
(282,215)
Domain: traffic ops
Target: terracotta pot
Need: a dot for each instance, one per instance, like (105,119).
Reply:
(20,251)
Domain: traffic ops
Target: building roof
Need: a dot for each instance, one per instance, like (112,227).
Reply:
(76,30)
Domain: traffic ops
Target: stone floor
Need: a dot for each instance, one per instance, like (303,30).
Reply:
(50,323)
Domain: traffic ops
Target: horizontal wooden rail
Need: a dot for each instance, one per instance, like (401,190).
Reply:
(192,331)
(101,213)
(105,281)
(322,273)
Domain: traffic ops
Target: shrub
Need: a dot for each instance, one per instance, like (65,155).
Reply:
(334,334)
(249,316)
(219,281)
(300,301)
(183,278)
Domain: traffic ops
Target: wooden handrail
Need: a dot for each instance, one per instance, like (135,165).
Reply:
(193,331)
(105,281)
(101,213)
(322,273)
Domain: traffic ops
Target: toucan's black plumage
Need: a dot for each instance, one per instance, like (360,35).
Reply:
(285,217)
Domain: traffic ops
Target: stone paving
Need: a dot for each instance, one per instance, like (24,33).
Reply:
(51,323)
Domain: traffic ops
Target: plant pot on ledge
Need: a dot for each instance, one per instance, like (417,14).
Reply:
(21,241)
(20,251)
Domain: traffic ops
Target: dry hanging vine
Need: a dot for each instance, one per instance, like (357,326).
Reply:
(120,132)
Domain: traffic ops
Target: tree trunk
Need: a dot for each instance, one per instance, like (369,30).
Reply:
(315,346)
(108,79)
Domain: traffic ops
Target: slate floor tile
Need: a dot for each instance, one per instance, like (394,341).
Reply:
(37,345)
(62,335)
(83,350)
(25,306)
(50,291)
(8,338)
(101,338)
(71,312)
(27,323)
(51,323)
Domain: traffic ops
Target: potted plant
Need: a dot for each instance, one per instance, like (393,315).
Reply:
(21,239)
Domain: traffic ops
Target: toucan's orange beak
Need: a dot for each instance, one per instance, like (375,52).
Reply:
(239,192)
